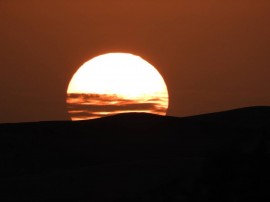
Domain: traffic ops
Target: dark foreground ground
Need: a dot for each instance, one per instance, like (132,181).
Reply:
(139,157)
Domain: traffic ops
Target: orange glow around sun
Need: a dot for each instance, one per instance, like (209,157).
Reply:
(115,83)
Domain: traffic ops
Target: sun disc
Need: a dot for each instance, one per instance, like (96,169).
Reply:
(116,83)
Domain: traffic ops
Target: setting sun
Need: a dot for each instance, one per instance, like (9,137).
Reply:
(116,83)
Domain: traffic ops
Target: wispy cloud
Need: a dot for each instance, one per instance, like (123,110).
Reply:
(89,106)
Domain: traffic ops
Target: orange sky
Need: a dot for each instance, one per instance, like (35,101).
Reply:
(213,55)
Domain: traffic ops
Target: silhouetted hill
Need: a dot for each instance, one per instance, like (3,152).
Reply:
(139,157)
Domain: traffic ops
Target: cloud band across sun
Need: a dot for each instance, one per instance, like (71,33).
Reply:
(90,106)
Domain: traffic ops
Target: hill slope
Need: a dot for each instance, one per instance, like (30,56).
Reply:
(140,157)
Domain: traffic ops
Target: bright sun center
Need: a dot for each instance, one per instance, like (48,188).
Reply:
(116,83)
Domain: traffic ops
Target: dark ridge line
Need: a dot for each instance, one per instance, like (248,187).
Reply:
(253,109)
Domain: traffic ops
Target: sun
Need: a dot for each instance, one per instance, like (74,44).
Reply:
(116,83)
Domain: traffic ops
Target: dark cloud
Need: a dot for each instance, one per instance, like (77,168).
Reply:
(83,98)
(109,108)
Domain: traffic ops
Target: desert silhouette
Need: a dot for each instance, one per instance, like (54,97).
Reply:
(221,156)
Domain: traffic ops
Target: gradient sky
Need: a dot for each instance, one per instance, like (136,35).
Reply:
(213,55)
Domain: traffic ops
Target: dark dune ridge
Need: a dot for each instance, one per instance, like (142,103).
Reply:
(221,156)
